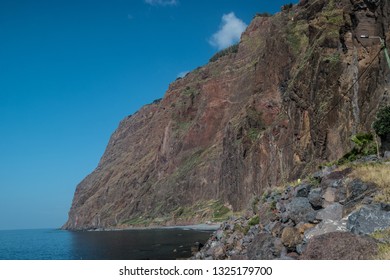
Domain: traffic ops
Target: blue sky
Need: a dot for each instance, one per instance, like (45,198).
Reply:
(71,70)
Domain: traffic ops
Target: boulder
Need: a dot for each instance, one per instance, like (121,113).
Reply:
(287,194)
(263,248)
(330,195)
(335,179)
(315,198)
(302,190)
(369,218)
(275,228)
(340,246)
(266,214)
(326,226)
(323,172)
(291,237)
(219,234)
(218,252)
(357,190)
(303,227)
(300,210)
(331,212)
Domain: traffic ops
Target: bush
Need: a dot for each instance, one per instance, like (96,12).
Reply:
(255,220)
(229,50)
(382,123)
(364,146)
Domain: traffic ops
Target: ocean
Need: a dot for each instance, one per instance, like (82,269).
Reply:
(53,244)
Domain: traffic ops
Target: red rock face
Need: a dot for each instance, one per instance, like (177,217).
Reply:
(289,99)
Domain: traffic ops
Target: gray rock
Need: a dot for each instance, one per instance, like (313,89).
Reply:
(357,192)
(315,198)
(301,248)
(356,189)
(330,195)
(280,207)
(368,159)
(302,190)
(335,179)
(385,206)
(324,172)
(278,246)
(326,226)
(386,155)
(287,193)
(368,219)
(337,183)
(219,234)
(332,212)
(300,210)
(284,218)
(263,248)
(218,252)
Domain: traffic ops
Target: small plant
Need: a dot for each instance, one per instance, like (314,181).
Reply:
(254,204)
(253,133)
(273,205)
(364,146)
(255,220)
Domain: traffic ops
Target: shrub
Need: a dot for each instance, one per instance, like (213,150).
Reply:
(254,221)
(382,123)
(364,146)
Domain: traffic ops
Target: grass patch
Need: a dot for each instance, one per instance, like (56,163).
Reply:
(378,174)
(182,127)
(213,210)
(384,247)
(253,133)
(137,221)
(188,164)
(333,58)
(297,37)
(220,212)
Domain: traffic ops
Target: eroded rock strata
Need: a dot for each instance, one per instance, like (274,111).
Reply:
(300,84)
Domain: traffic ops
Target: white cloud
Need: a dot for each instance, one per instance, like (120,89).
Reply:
(229,33)
(182,74)
(162,2)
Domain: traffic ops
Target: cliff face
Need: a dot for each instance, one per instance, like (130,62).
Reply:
(300,85)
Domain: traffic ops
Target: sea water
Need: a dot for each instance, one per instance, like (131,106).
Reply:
(52,244)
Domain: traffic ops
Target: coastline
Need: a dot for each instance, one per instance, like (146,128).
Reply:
(199,227)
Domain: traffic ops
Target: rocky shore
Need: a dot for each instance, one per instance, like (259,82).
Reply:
(332,214)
